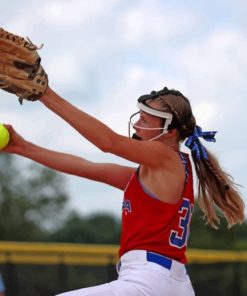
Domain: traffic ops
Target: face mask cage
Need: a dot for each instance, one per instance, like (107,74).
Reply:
(142,105)
(134,118)
(169,119)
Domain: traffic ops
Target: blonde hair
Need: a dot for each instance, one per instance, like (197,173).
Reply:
(216,188)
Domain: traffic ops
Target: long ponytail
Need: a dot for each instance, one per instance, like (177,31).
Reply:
(217,191)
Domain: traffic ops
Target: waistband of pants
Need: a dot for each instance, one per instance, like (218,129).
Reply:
(176,268)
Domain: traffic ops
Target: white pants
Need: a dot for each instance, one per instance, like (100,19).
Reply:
(139,277)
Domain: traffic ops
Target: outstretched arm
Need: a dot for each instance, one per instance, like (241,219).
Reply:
(91,128)
(114,175)
(149,153)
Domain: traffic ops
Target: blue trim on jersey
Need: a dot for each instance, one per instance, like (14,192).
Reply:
(185,163)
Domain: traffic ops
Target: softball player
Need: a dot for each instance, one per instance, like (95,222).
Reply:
(158,193)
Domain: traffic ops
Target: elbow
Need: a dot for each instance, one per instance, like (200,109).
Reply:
(107,145)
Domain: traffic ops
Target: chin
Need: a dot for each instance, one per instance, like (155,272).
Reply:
(136,137)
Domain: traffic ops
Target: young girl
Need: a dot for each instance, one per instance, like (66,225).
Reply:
(158,193)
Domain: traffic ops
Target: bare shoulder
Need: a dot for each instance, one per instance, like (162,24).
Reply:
(167,181)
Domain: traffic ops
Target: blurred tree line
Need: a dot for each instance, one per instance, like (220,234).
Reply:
(33,208)
(33,202)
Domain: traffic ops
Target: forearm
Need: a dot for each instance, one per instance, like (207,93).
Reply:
(58,161)
(89,127)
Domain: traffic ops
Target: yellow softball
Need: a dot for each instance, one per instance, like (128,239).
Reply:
(4,137)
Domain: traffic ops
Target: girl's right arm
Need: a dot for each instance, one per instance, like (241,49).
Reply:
(112,174)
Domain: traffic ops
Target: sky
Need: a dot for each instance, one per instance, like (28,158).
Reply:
(101,55)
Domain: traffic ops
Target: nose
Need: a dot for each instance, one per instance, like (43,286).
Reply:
(135,126)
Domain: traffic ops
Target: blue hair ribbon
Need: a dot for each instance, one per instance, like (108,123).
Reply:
(195,145)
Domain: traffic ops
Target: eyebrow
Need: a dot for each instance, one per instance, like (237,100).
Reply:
(143,115)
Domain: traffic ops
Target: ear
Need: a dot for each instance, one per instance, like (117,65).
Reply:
(173,132)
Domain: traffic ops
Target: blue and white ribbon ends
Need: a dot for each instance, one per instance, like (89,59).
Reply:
(194,144)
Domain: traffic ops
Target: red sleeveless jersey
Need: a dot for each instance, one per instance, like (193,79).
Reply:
(153,225)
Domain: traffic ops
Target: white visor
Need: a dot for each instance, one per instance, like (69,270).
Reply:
(149,110)
(154,112)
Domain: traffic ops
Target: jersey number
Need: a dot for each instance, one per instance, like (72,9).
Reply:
(179,238)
